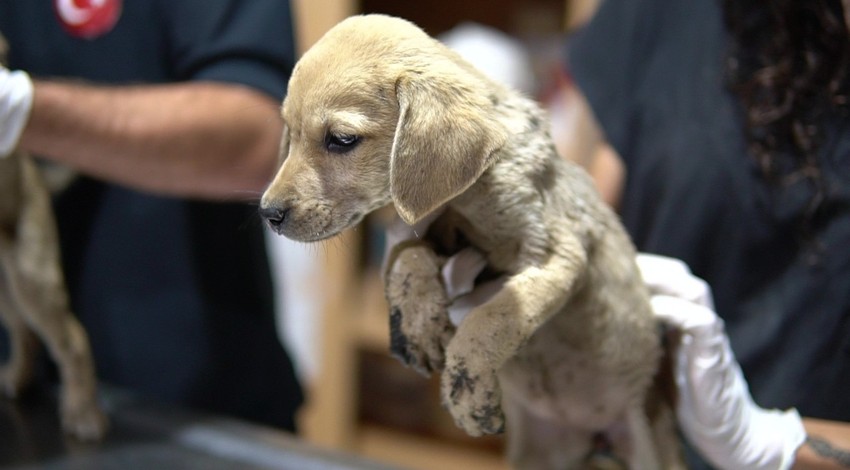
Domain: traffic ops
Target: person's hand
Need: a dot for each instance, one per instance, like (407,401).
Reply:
(16,93)
(715,410)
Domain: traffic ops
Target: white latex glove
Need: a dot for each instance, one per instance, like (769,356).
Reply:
(15,103)
(715,409)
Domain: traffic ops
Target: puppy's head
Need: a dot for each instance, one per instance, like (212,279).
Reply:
(378,112)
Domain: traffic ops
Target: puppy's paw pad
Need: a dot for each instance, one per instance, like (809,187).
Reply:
(489,420)
(420,348)
(474,401)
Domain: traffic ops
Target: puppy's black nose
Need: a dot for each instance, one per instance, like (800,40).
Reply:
(275,217)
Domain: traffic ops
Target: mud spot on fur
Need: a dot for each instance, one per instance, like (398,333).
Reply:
(461,381)
(487,416)
(405,285)
(399,345)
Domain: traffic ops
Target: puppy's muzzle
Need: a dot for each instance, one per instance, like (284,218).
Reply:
(275,217)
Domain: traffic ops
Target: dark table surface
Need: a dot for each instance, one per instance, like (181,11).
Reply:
(145,435)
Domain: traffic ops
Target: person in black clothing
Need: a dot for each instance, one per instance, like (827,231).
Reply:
(167,109)
(731,121)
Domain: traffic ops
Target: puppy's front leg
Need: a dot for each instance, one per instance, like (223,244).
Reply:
(495,332)
(420,327)
(17,372)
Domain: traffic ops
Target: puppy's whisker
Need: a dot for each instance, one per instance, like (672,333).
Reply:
(247,195)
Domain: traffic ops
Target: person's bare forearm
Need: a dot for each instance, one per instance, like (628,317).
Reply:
(827,446)
(585,145)
(194,139)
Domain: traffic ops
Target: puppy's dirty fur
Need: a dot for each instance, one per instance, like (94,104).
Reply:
(563,356)
(34,301)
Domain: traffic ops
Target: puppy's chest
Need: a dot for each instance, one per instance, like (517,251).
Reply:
(499,234)
(505,212)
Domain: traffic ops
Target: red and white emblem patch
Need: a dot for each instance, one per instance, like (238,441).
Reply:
(88,19)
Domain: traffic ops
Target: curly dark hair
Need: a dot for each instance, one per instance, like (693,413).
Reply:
(788,65)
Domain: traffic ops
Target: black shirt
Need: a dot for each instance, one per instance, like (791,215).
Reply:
(653,73)
(175,294)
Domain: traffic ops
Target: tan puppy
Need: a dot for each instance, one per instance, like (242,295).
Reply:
(33,299)
(566,351)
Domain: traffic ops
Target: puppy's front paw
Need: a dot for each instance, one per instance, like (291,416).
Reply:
(420,346)
(83,419)
(473,397)
(420,327)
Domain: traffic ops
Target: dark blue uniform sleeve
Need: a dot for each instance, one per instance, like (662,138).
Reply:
(231,41)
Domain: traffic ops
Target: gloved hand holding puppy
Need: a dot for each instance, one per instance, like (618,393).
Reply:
(715,410)
(16,93)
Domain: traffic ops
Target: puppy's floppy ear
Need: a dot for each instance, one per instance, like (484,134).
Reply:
(446,136)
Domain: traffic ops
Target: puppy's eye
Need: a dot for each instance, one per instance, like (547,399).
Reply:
(341,143)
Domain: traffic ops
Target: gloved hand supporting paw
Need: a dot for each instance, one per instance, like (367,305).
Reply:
(715,410)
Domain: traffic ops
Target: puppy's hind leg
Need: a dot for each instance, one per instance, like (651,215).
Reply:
(650,439)
(536,443)
(633,439)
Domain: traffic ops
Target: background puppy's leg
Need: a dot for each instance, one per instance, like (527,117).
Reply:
(16,374)
(38,290)
(43,301)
